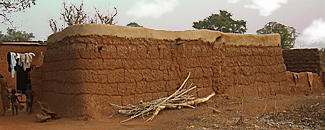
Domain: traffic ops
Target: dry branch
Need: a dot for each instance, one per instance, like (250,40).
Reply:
(177,100)
(47,113)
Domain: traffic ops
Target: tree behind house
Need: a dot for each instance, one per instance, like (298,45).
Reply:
(9,6)
(16,35)
(75,14)
(288,34)
(222,22)
(133,24)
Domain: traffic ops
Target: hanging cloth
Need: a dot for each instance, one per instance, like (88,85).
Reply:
(9,61)
(18,59)
(29,60)
(13,63)
(22,60)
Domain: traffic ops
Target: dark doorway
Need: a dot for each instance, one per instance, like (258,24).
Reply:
(22,79)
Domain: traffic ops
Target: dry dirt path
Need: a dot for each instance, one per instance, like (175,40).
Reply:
(222,112)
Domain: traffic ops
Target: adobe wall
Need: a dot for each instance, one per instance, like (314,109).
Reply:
(5,101)
(305,83)
(303,60)
(88,66)
(36,81)
(252,71)
(5,48)
(2,108)
(124,72)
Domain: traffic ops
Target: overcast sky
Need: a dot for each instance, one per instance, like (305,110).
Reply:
(307,16)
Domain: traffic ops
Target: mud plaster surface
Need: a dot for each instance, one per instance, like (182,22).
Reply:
(132,32)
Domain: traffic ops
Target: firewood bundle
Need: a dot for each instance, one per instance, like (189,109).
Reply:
(177,100)
(47,113)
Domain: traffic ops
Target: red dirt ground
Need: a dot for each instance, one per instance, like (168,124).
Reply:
(230,113)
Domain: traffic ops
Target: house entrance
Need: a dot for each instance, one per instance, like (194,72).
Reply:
(22,79)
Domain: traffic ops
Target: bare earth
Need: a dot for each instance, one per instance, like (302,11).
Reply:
(221,112)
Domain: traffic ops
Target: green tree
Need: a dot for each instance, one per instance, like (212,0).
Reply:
(75,14)
(14,35)
(288,34)
(9,6)
(222,22)
(133,24)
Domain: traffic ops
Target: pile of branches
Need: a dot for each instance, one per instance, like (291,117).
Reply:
(47,113)
(177,100)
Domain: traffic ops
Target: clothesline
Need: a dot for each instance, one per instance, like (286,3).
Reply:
(19,59)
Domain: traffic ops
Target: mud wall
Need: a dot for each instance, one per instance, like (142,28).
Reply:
(2,108)
(252,71)
(323,78)
(36,81)
(3,96)
(123,72)
(303,60)
(86,67)
(305,83)
(5,48)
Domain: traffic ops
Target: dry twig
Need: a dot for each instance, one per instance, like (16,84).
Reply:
(177,100)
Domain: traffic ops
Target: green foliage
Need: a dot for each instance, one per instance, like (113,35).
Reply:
(222,22)
(288,34)
(14,35)
(133,24)
(9,6)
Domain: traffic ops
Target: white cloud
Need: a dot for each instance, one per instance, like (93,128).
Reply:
(266,7)
(315,31)
(314,34)
(312,44)
(154,9)
(233,1)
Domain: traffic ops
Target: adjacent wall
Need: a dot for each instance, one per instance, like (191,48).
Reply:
(303,60)
(18,48)
(88,66)
(252,71)
(305,83)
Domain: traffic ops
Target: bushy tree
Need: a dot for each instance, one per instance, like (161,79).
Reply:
(288,34)
(9,6)
(222,22)
(133,24)
(14,35)
(75,14)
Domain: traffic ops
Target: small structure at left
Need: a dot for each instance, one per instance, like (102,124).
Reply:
(17,60)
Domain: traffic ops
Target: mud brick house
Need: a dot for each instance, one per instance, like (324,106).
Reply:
(19,80)
(88,66)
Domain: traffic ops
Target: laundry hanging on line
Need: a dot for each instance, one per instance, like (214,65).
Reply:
(19,59)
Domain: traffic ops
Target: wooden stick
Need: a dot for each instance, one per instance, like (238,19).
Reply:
(177,100)
(176,91)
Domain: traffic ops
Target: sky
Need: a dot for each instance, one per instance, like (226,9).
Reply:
(307,16)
